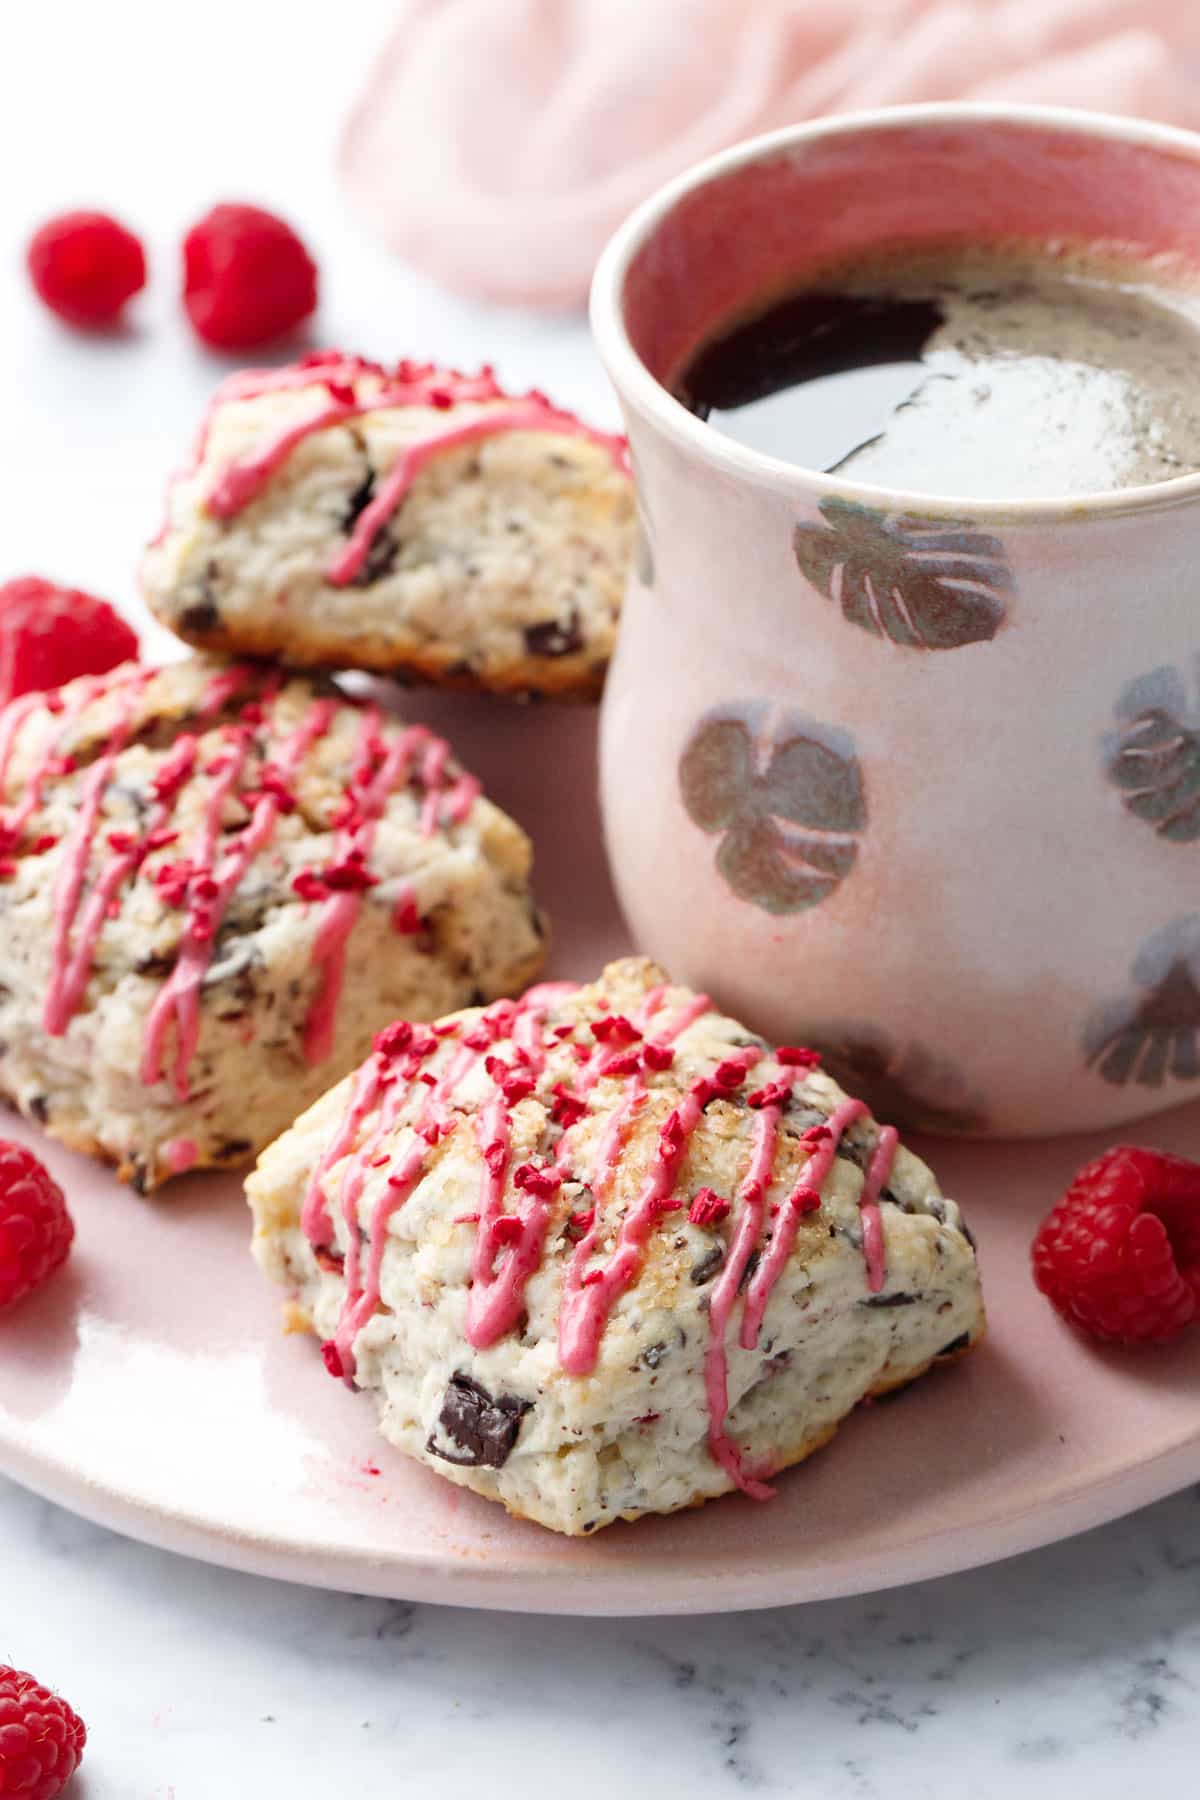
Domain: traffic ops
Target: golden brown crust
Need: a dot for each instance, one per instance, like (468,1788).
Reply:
(572,677)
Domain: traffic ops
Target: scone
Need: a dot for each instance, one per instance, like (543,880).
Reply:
(217,883)
(602,1252)
(412,521)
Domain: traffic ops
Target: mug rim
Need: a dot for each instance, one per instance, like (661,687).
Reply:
(635,381)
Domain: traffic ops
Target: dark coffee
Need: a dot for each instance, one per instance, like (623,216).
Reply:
(991,374)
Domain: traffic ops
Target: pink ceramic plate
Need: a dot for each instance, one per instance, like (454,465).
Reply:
(149,1386)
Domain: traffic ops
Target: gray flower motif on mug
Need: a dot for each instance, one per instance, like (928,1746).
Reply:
(1154,755)
(929,584)
(784,793)
(904,1083)
(1154,1032)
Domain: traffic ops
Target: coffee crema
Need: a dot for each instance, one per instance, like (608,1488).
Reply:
(986,373)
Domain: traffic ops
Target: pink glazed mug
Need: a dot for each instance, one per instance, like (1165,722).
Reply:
(912,779)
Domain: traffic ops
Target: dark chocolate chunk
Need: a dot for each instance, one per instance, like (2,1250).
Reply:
(233,1149)
(555,637)
(654,1355)
(752,1262)
(802,1118)
(380,559)
(956,1344)
(857,1150)
(139,1181)
(39,1109)
(881,1300)
(157,963)
(201,617)
(358,501)
(708,1265)
(481,1430)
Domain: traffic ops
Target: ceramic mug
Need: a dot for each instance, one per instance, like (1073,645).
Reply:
(912,779)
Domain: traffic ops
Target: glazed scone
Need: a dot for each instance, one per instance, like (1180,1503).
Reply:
(217,884)
(414,521)
(602,1252)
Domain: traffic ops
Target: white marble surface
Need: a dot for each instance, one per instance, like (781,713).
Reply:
(1076,1669)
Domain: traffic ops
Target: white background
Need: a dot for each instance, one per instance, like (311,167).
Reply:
(1075,1669)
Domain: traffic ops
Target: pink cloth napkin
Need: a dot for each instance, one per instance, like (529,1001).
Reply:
(499,142)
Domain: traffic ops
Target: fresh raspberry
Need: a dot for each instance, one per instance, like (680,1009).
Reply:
(41,1738)
(35,1230)
(247,278)
(50,634)
(1119,1256)
(85,266)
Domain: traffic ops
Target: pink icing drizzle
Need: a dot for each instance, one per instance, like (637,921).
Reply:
(73,965)
(433,774)
(369,796)
(11,721)
(498,1290)
(68,975)
(362,1295)
(494,1302)
(497,1293)
(362,1289)
(687,1016)
(787,1221)
(460,799)
(178,999)
(410,384)
(878,1170)
(243,481)
(524,416)
(589,1295)
(12,718)
(314,1216)
(221,688)
(752,1201)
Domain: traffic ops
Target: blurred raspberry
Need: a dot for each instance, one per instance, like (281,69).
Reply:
(247,278)
(85,266)
(50,634)
(36,1230)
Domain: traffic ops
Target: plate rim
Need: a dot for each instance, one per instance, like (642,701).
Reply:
(429,1579)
